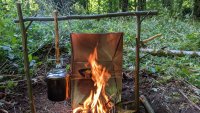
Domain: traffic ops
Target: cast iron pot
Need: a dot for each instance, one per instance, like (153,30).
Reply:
(56,85)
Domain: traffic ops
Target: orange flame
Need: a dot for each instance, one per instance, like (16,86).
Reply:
(98,101)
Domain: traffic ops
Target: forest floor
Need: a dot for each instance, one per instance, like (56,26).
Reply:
(165,96)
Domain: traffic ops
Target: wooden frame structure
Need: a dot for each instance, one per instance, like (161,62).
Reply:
(21,20)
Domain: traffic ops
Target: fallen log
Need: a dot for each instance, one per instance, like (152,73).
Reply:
(169,52)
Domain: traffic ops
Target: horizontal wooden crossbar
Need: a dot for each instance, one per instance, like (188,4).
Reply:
(81,17)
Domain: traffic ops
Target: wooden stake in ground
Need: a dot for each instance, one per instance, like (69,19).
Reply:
(26,60)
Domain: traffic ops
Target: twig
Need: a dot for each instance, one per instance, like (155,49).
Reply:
(29,24)
(190,85)
(3,111)
(7,103)
(3,64)
(194,105)
(17,81)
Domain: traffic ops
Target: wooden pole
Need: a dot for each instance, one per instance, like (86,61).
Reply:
(81,17)
(26,60)
(55,13)
(137,63)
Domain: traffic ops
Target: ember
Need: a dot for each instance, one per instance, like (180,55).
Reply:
(97,101)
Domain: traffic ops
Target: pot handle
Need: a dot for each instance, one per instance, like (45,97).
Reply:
(68,91)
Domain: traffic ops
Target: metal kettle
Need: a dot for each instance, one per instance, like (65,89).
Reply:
(56,85)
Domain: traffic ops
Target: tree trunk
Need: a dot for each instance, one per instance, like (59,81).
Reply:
(110,4)
(143,7)
(99,5)
(124,5)
(196,10)
(141,4)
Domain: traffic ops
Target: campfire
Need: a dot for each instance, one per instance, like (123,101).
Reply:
(96,78)
(97,101)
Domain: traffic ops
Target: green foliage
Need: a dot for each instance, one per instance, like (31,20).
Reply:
(11,84)
(176,34)
(193,39)
(10,35)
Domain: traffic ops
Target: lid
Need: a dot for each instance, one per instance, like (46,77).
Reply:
(57,73)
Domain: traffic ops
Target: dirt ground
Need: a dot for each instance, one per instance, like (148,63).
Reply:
(165,96)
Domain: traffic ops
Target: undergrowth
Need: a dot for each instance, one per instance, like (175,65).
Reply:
(176,34)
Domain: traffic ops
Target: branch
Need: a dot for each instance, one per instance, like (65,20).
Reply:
(71,17)
(169,52)
(196,106)
(146,104)
(151,38)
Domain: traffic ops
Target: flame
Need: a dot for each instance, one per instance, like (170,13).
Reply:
(97,101)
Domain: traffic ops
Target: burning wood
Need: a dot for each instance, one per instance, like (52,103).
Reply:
(97,101)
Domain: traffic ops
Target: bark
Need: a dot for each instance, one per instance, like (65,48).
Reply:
(124,5)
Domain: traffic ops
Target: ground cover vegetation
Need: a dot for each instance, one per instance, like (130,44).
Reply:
(178,22)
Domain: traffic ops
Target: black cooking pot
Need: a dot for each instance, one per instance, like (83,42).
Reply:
(56,85)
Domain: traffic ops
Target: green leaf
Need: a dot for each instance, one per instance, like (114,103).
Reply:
(30,57)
